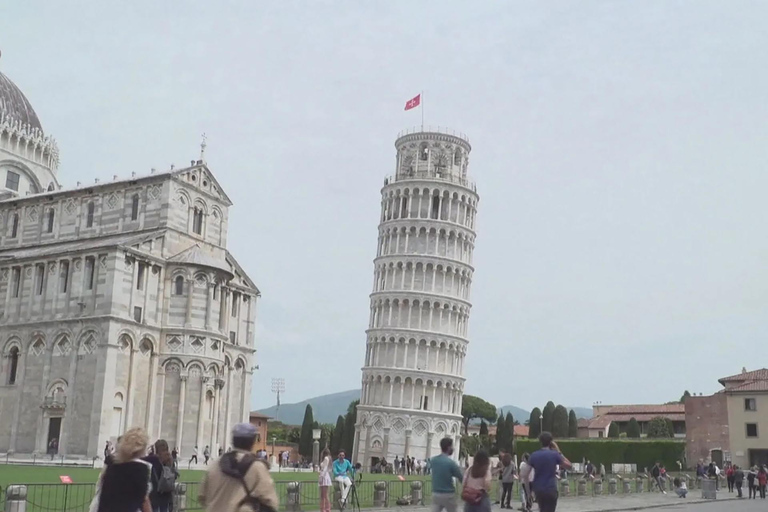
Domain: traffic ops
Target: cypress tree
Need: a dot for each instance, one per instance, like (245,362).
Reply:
(338,435)
(547,416)
(573,424)
(613,430)
(534,423)
(560,422)
(305,441)
(500,432)
(633,429)
(509,432)
(483,428)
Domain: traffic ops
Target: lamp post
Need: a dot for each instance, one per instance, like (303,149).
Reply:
(316,433)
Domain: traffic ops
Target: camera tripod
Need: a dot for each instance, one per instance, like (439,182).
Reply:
(351,498)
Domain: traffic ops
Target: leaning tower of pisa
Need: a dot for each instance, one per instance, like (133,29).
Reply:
(413,376)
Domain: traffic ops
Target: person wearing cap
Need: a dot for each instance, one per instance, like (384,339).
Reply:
(238,481)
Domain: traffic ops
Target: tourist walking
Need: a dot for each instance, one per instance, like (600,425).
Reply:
(508,475)
(125,483)
(477,484)
(193,457)
(729,477)
(53,447)
(444,470)
(163,477)
(545,462)
(751,482)
(526,477)
(206,455)
(238,481)
(656,475)
(324,481)
(762,480)
(738,480)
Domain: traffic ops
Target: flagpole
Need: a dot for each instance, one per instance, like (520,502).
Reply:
(422,110)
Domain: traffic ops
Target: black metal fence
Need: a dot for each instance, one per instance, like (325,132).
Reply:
(77,497)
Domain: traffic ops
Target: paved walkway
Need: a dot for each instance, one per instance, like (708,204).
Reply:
(607,503)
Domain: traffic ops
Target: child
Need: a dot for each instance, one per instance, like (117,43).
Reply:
(681,488)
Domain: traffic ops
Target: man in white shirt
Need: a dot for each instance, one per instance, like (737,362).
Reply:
(526,477)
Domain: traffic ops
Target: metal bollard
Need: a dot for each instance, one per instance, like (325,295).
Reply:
(612,486)
(565,487)
(597,488)
(16,498)
(417,496)
(626,486)
(292,493)
(180,498)
(380,494)
(639,485)
(582,488)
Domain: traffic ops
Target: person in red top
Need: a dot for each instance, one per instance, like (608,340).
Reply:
(762,480)
(729,475)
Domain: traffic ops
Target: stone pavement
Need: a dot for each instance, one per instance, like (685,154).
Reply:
(612,503)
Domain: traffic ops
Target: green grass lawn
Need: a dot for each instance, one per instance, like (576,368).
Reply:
(10,474)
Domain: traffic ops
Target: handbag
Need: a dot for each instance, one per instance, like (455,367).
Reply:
(472,495)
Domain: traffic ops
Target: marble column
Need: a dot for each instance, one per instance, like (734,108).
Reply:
(201,413)
(22,370)
(407,442)
(385,448)
(356,445)
(430,435)
(129,399)
(228,410)
(161,390)
(190,293)
(215,442)
(182,398)
(209,306)
(149,422)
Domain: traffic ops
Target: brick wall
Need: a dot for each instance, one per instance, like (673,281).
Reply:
(706,421)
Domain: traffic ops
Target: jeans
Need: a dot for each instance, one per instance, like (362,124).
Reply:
(547,500)
(344,484)
(483,506)
(681,492)
(445,501)
(506,493)
(165,508)
(738,487)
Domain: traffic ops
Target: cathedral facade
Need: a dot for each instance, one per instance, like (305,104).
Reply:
(120,305)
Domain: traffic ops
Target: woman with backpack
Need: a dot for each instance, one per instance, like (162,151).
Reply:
(163,477)
(477,484)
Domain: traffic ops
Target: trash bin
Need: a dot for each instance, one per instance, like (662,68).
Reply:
(708,490)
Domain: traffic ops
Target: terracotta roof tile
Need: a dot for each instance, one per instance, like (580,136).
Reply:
(761,374)
(754,385)
(522,430)
(661,409)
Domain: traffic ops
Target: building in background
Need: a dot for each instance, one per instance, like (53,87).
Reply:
(259,421)
(413,373)
(728,425)
(604,415)
(120,304)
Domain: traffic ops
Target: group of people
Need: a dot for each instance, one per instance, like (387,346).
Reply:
(140,477)
(537,474)
(756,477)
(342,471)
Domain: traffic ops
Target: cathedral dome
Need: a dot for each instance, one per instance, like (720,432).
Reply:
(15,105)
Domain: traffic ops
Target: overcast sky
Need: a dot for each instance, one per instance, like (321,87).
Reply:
(619,149)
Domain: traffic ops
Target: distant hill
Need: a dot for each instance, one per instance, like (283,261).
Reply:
(325,408)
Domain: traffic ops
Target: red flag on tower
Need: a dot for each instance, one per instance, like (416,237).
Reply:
(413,102)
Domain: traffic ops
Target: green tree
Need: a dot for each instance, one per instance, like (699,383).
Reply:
(686,394)
(613,430)
(305,441)
(560,422)
(658,428)
(573,424)
(509,432)
(500,431)
(547,415)
(338,435)
(348,437)
(473,407)
(534,423)
(633,429)
(483,428)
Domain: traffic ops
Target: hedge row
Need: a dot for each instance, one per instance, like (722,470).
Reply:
(615,451)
